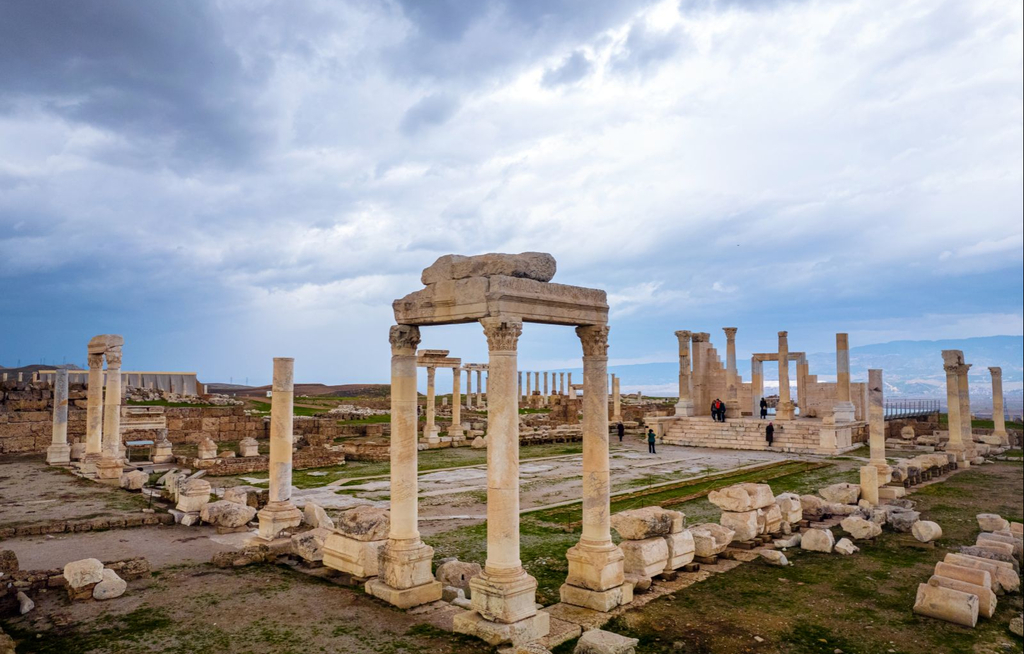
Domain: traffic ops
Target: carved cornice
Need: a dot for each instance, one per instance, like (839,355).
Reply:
(594,339)
(502,334)
(404,338)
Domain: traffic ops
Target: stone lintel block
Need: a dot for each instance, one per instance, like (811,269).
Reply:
(986,598)
(645,558)
(505,598)
(891,492)
(947,604)
(494,633)
(404,565)
(598,569)
(603,601)
(356,557)
(404,598)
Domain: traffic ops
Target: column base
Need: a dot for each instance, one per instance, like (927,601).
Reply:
(88,464)
(58,455)
(163,453)
(456,431)
(843,411)
(404,598)
(108,470)
(405,565)
(684,409)
(597,567)
(884,472)
(596,600)
(785,411)
(276,517)
(504,598)
(1004,438)
(521,632)
(358,558)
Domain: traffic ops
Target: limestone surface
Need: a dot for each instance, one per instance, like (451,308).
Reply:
(963,573)
(83,573)
(134,480)
(110,587)
(648,522)
(314,515)
(743,523)
(859,528)
(365,523)
(742,497)
(310,544)
(538,266)
(926,531)
(25,604)
(645,558)
(817,540)
(597,641)
(947,604)
(1002,574)
(842,493)
(845,546)
(223,513)
(710,539)
(986,598)
(680,549)
(774,557)
(457,574)
(992,522)
(903,521)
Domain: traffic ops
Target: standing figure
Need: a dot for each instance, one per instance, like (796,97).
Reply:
(764,408)
(650,441)
(769,433)
(622,431)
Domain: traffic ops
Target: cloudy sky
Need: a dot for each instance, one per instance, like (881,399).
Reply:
(227,181)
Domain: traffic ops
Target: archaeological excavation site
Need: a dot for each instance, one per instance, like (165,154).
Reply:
(474,505)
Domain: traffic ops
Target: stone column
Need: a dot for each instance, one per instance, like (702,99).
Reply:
(503,595)
(869,484)
(561,383)
(480,388)
(279,513)
(951,362)
(756,386)
(469,389)
(94,412)
(536,382)
(455,431)
(59,452)
(843,409)
(998,413)
(785,409)
(521,387)
(546,385)
(876,425)
(616,399)
(963,386)
(405,578)
(700,407)
(528,387)
(732,395)
(430,430)
(802,370)
(684,407)
(111,464)
(595,578)
(568,385)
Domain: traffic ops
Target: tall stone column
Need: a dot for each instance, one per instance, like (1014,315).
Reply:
(785,409)
(279,513)
(430,430)
(455,431)
(756,386)
(59,452)
(503,595)
(405,579)
(732,395)
(700,407)
(616,399)
(469,389)
(843,409)
(876,425)
(998,413)
(951,362)
(546,385)
(480,388)
(521,387)
(528,391)
(536,382)
(595,576)
(111,463)
(568,385)
(94,411)
(684,407)
(561,383)
(802,371)
(963,387)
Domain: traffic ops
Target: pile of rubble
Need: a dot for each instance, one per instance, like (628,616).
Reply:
(964,586)
(353,412)
(156,395)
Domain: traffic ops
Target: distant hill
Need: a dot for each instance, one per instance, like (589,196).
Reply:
(911,368)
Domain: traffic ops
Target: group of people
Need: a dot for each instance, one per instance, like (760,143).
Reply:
(651,437)
(718,410)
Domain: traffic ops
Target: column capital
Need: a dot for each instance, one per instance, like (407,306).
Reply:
(684,335)
(730,332)
(700,337)
(996,371)
(502,334)
(404,338)
(594,339)
(951,368)
(95,361)
(113,356)
(783,334)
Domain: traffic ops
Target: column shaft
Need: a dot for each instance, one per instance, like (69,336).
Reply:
(732,398)
(842,408)
(956,441)
(876,418)
(616,400)
(684,407)
(456,428)
(404,423)
(94,407)
(784,410)
(469,389)
(479,388)
(756,385)
(964,389)
(112,407)
(998,413)
(428,429)
(59,452)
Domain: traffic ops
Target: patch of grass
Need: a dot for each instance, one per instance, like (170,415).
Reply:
(264,407)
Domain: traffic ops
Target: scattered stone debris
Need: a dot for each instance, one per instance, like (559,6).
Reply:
(598,641)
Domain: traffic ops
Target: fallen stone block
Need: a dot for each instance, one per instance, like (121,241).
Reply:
(223,513)
(817,540)
(742,497)
(903,521)
(644,558)
(774,557)
(134,480)
(859,528)
(710,539)
(992,522)
(926,531)
(640,524)
(744,524)
(986,598)
(964,573)
(680,550)
(457,574)
(309,545)
(315,516)
(110,587)
(842,493)
(947,604)
(1003,576)
(845,546)
(365,523)
(597,641)
(83,574)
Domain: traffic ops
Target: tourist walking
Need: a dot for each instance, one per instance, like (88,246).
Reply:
(769,433)
(764,408)
(721,411)
(650,441)
(622,430)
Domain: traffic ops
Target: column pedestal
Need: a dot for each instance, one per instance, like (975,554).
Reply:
(596,578)
(405,577)
(843,411)
(276,517)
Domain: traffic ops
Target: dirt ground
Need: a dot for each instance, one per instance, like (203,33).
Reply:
(33,492)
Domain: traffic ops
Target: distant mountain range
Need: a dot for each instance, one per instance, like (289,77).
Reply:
(912,369)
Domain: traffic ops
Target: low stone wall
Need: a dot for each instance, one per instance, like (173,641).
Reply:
(790,436)
(92,524)
(26,416)
(306,457)
(30,580)
(922,425)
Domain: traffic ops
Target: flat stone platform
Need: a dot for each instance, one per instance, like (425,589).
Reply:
(799,436)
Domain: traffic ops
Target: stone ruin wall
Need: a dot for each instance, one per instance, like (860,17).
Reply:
(821,396)
(26,421)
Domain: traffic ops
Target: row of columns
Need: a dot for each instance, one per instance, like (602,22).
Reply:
(430,430)
(478,402)
(560,383)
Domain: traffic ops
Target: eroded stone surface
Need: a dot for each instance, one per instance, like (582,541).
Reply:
(538,266)
(648,522)
(926,531)
(110,587)
(859,528)
(365,523)
(742,497)
(842,493)
(947,604)
(223,513)
(83,572)
(598,641)
(817,540)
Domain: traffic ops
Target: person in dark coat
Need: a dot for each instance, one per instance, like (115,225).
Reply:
(769,433)
(622,431)
(721,411)
(764,408)
(650,441)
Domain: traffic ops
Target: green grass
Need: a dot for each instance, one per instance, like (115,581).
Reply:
(981,424)
(264,407)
